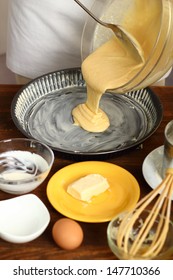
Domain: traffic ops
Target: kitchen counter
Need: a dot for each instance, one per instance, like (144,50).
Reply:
(94,245)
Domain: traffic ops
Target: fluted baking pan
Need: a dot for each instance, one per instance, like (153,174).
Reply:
(42,110)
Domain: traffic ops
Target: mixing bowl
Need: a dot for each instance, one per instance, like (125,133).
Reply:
(112,230)
(24,164)
(160,52)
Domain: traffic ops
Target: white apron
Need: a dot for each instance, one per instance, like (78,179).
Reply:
(44,35)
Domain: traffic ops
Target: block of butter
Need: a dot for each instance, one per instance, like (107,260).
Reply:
(87,187)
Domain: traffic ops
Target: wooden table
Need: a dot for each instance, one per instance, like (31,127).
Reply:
(95,244)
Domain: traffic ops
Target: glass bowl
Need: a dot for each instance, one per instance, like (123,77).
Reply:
(160,54)
(24,164)
(112,230)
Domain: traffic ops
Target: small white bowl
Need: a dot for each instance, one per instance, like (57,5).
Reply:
(20,156)
(23,218)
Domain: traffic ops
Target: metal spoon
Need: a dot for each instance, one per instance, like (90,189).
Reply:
(119,32)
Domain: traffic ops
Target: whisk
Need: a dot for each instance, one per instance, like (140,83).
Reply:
(11,162)
(160,210)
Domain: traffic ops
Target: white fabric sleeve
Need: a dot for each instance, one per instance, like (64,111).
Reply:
(44,35)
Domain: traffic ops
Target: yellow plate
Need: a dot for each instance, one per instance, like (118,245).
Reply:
(122,195)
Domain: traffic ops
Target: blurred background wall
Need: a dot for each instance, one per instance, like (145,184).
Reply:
(6,76)
(3,25)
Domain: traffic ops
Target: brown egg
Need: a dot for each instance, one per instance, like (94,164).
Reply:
(67,234)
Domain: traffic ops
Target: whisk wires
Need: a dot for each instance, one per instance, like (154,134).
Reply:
(161,209)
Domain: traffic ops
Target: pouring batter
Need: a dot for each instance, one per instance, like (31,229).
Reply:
(113,64)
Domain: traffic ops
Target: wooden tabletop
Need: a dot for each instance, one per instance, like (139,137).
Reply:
(95,244)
